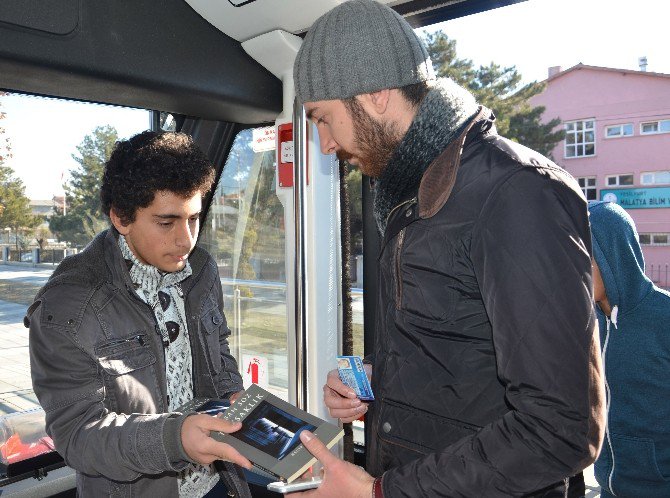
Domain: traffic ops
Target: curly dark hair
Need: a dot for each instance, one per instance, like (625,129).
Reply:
(151,162)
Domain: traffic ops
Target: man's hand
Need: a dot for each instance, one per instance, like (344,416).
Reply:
(341,400)
(340,479)
(203,449)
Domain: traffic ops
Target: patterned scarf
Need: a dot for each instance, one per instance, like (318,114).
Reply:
(441,116)
(162,291)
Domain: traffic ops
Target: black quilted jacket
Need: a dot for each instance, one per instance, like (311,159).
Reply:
(485,368)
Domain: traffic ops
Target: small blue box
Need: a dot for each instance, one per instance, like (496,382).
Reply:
(353,375)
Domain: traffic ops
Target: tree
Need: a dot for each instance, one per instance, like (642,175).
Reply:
(15,212)
(82,217)
(42,234)
(499,89)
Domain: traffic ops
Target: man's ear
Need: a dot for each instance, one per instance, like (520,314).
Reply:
(378,101)
(118,224)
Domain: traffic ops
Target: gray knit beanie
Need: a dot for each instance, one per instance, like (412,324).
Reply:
(360,46)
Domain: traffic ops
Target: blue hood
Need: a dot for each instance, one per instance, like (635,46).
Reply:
(635,459)
(617,252)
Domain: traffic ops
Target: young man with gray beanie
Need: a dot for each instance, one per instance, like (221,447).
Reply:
(486,366)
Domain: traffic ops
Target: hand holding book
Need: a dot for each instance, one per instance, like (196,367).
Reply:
(203,449)
(270,433)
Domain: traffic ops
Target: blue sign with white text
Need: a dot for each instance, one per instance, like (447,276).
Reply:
(638,198)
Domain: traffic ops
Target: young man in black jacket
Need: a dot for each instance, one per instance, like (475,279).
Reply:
(486,366)
(132,328)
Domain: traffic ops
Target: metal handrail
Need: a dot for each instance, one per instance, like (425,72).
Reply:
(299,188)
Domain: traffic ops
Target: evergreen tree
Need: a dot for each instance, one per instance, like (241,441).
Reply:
(499,89)
(15,212)
(82,217)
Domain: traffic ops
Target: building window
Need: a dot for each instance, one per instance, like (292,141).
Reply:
(655,239)
(580,138)
(588,186)
(618,180)
(621,130)
(655,177)
(653,127)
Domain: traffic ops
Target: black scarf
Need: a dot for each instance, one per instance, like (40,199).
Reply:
(442,115)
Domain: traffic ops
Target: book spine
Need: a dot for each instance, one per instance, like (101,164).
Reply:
(267,471)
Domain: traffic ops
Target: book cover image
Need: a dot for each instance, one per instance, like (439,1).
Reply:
(270,433)
(272,430)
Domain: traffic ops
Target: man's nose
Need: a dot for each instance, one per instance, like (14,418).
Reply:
(326,141)
(186,235)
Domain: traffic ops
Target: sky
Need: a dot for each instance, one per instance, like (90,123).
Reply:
(45,132)
(532,36)
(537,34)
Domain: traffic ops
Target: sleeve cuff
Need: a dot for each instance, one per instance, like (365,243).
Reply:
(174,449)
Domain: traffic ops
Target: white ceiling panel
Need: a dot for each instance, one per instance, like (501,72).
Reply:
(262,16)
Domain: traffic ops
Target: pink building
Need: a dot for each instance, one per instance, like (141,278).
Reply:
(617,145)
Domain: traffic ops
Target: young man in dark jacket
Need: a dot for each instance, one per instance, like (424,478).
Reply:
(131,328)
(486,365)
(634,318)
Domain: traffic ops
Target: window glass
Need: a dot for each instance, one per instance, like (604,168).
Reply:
(244,232)
(613,131)
(660,239)
(649,127)
(655,239)
(354,180)
(655,177)
(588,186)
(616,180)
(619,130)
(49,207)
(645,239)
(168,122)
(665,126)
(626,180)
(580,139)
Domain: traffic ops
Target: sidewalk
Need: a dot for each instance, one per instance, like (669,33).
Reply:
(16,392)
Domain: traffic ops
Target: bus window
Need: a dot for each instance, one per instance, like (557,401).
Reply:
(51,157)
(354,188)
(244,232)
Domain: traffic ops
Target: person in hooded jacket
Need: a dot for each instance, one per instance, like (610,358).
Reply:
(634,317)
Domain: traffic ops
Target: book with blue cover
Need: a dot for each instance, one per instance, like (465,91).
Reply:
(270,432)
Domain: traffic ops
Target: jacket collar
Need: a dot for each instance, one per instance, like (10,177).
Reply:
(438,180)
(439,120)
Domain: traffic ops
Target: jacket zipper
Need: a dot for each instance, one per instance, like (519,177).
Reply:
(398,280)
(401,238)
(137,338)
(609,397)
